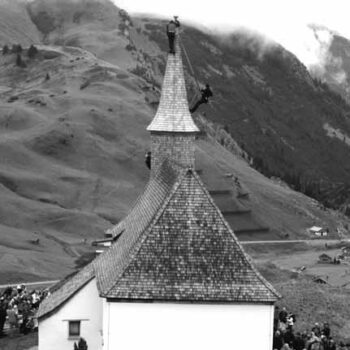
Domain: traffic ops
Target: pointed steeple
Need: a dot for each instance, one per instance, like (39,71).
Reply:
(173,129)
(173,112)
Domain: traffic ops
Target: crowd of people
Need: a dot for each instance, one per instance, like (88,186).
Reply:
(318,338)
(18,308)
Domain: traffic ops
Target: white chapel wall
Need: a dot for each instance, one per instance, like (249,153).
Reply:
(86,305)
(159,326)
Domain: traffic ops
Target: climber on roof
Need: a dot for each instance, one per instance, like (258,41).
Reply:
(148,159)
(171,31)
(205,94)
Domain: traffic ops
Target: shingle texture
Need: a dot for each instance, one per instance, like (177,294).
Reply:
(188,253)
(112,263)
(177,147)
(175,245)
(66,291)
(173,112)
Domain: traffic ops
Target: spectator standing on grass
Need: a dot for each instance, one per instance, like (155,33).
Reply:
(316,329)
(13,316)
(324,342)
(277,340)
(7,293)
(331,344)
(288,336)
(3,314)
(298,343)
(283,315)
(314,342)
(35,300)
(290,322)
(282,327)
(326,329)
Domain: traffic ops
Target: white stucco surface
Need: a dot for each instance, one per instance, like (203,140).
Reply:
(159,326)
(85,306)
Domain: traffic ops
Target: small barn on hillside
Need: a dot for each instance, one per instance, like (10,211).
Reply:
(325,259)
(175,276)
(317,231)
(320,280)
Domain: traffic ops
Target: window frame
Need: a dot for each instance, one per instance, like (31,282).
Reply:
(74,335)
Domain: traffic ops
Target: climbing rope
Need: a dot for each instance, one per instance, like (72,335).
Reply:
(191,68)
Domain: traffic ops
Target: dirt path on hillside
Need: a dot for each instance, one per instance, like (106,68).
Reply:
(65,246)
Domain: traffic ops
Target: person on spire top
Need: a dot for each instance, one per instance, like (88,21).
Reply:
(205,94)
(171,31)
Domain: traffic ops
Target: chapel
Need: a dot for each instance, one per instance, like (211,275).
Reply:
(175,275)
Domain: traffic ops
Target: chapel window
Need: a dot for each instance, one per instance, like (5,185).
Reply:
(74,329)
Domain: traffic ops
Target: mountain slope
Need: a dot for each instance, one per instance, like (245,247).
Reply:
(261,90)
(16,25)
(72,150)
(63,150)
(272,107)
(73,130)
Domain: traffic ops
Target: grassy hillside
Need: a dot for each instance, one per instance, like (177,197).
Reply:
(311,302)
(273,108)
(264,97)
(73,134)
(69,155)
(16,25)
(72,151)
(73,138)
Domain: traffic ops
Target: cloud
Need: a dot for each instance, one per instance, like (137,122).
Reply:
(286,22)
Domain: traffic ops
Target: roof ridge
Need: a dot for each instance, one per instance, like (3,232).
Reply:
(79,274)
(104,255)
(246,256)
(137,246)
(181,167)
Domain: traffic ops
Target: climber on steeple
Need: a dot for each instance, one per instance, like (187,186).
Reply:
(148,159)
(205,94)
(171,31)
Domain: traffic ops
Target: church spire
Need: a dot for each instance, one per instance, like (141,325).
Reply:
(173,112)
(173,129)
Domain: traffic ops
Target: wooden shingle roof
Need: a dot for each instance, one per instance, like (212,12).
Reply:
(175,245)
(66,291)
(173,112)
(112,262)
(187,252)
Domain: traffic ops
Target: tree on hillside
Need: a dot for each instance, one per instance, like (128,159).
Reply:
(16,48)
(19,61)
(5,50)
(32,51)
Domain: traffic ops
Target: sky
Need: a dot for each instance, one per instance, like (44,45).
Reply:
(284,21)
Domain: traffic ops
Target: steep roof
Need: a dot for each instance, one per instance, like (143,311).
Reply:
(66,291)
(187,252)
(112,262)
(174,245)
(173,112)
